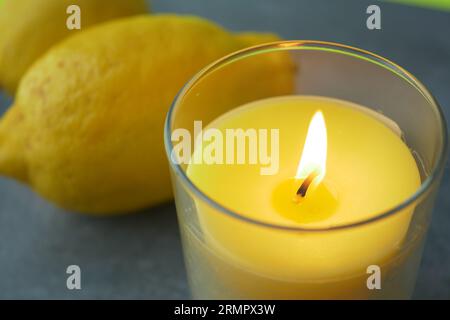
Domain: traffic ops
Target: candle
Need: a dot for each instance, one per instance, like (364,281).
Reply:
(339,164)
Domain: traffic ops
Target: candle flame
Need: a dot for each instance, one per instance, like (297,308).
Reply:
(314,155)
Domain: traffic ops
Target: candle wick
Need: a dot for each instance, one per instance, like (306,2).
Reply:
(306,183)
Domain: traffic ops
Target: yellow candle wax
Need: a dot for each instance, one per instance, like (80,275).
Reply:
(369,170)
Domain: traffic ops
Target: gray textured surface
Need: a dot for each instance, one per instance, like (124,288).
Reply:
(139,256)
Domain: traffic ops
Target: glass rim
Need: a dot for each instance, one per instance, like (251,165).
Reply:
(426,184)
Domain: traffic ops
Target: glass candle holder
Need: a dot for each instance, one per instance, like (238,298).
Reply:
(232,255)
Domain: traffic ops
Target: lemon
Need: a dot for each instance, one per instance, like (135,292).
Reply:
(28,28)
(86,128)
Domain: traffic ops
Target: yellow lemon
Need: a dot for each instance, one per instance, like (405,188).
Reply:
(86,128)
(28,28)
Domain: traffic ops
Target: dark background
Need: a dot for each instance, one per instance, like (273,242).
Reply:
(139,256)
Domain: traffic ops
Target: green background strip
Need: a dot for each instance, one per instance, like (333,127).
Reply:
(432,4)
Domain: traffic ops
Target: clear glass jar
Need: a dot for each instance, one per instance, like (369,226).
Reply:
(322,69)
